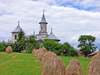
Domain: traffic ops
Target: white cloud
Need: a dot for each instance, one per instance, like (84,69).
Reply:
(68,23)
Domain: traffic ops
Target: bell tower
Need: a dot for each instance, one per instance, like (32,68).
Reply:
(43,27)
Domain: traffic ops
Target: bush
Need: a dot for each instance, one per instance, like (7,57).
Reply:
(3,46)
(52,46)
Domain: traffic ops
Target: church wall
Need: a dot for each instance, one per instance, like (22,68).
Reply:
(13,37)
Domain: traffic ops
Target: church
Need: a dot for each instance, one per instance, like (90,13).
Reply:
(42,33)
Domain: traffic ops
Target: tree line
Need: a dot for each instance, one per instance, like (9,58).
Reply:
(29,43)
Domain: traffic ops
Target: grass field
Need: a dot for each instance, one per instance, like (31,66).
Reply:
(26,64)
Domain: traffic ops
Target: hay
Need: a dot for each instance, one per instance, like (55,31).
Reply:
(94,65)
(40,49)
(43,48)
(74,68)
(9,49)
(41,54)
(53,66)
(33,51)
(36,52)
(46,56)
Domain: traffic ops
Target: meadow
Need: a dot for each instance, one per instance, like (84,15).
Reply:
(26,64)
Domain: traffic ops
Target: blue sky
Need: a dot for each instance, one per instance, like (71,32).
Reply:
(69,18)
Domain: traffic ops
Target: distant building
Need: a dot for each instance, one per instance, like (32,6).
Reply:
(42,33)
(79,52)
(15,33)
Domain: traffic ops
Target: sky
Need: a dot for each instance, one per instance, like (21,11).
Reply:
(69,19)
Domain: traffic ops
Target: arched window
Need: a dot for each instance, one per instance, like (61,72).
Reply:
(15,36)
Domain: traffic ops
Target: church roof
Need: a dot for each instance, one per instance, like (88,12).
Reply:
(43,20)
(52,36)
(17,29)
(39,37)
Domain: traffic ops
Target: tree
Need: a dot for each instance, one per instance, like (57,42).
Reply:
(69,50)
(20,43)
(31,43)
(52,46)
(3,46)
(86,44)
(20,36)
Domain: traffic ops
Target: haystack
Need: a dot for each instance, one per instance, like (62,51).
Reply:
(41,54)
(74,68)
(33,51)
(94,65)
(9,49)
(53,66)
(36,52)
(43,48)
(40,48)
(46,56)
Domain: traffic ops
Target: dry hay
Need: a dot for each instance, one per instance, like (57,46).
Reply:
(54,66)
(33,51)
(41,54)
(74,68)
(40,49)
(36,52)
(43,48)
(94,65)
(9,49)
(46,56)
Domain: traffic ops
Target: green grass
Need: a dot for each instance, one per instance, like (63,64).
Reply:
(26,64)
(19,64)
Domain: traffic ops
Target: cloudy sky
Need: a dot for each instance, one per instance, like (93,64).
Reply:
(69,19)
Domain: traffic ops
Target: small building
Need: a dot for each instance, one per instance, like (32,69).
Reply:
(79,52)
(92,54)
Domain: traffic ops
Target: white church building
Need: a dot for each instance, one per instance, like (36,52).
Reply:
(42,33)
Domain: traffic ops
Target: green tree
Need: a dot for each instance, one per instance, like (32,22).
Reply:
(15,47)
(52,46)
(20,36)
(19,45)
(31,43)
(3,46)
(86,44)
(70,51)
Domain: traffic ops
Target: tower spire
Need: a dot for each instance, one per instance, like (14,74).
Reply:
(51,30)
(18,23)
(43,11)
(43,20)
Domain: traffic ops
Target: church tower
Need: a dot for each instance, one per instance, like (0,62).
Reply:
(43,27)
(15,33)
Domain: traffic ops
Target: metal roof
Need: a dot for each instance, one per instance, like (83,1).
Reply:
(17,29)
(92,53)
(39,37)
(43,20)
(52,36)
